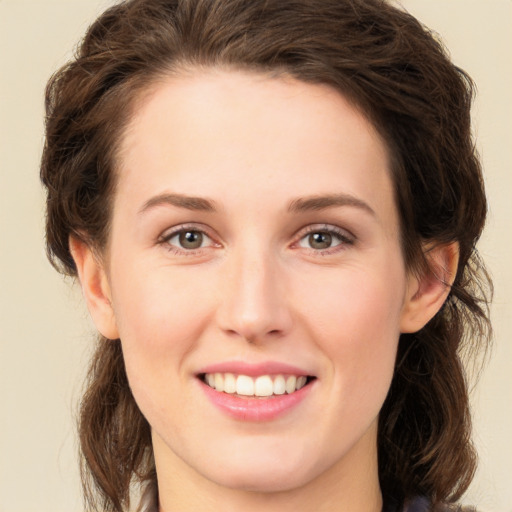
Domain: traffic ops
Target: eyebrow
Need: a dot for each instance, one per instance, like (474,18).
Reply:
(301,204)
(180,201)
(313,203)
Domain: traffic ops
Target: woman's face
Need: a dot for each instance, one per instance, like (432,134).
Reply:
(254,247)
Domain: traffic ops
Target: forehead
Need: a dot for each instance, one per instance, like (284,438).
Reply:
(220,132)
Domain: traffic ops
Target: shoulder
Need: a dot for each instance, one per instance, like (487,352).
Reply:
(454,508)
(422,504)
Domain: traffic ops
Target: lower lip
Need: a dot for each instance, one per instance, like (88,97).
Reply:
(255,408)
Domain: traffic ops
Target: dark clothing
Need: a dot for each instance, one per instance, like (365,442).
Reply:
(422,504)
(149,503)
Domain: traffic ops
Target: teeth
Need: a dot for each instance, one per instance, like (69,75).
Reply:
(229,383)
(291,383)
(244,385)
(301,382)
(219,382)
(279,385)
(264,385)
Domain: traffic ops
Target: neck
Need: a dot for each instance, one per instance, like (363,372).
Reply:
(350,484)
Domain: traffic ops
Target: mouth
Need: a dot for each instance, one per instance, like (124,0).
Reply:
(261,386)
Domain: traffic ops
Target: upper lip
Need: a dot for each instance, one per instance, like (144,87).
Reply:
(254,369)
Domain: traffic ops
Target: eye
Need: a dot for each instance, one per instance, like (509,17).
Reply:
(324,239)
(187,239)
(190,239)
(318,240)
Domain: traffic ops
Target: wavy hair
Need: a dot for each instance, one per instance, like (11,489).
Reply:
(399,75)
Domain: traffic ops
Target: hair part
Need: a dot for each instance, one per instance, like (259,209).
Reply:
(399,75)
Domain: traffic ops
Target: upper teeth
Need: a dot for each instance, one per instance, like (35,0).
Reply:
(264,385)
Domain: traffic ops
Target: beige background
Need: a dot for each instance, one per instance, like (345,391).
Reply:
(45,332)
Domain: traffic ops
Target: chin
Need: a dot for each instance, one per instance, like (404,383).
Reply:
(268,480)
(268,471)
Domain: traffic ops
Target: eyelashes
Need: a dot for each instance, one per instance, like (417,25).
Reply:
(324,239)
(190,240)
(187,240)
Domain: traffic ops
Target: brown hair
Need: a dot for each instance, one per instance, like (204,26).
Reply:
(399,75)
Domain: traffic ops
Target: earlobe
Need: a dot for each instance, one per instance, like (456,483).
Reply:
(427,293)
(95,288)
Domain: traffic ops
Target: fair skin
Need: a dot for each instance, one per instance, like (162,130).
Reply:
(292,257)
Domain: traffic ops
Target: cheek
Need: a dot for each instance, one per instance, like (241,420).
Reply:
(160,320)
(356,318)
(159,307)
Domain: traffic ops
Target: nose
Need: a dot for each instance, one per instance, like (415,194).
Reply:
(253,304)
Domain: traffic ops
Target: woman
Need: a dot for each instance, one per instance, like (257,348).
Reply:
(272,208)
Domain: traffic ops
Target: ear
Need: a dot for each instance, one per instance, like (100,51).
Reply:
(95,288)
(427,293)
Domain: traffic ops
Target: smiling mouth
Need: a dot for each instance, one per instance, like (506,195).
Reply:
(257,387)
